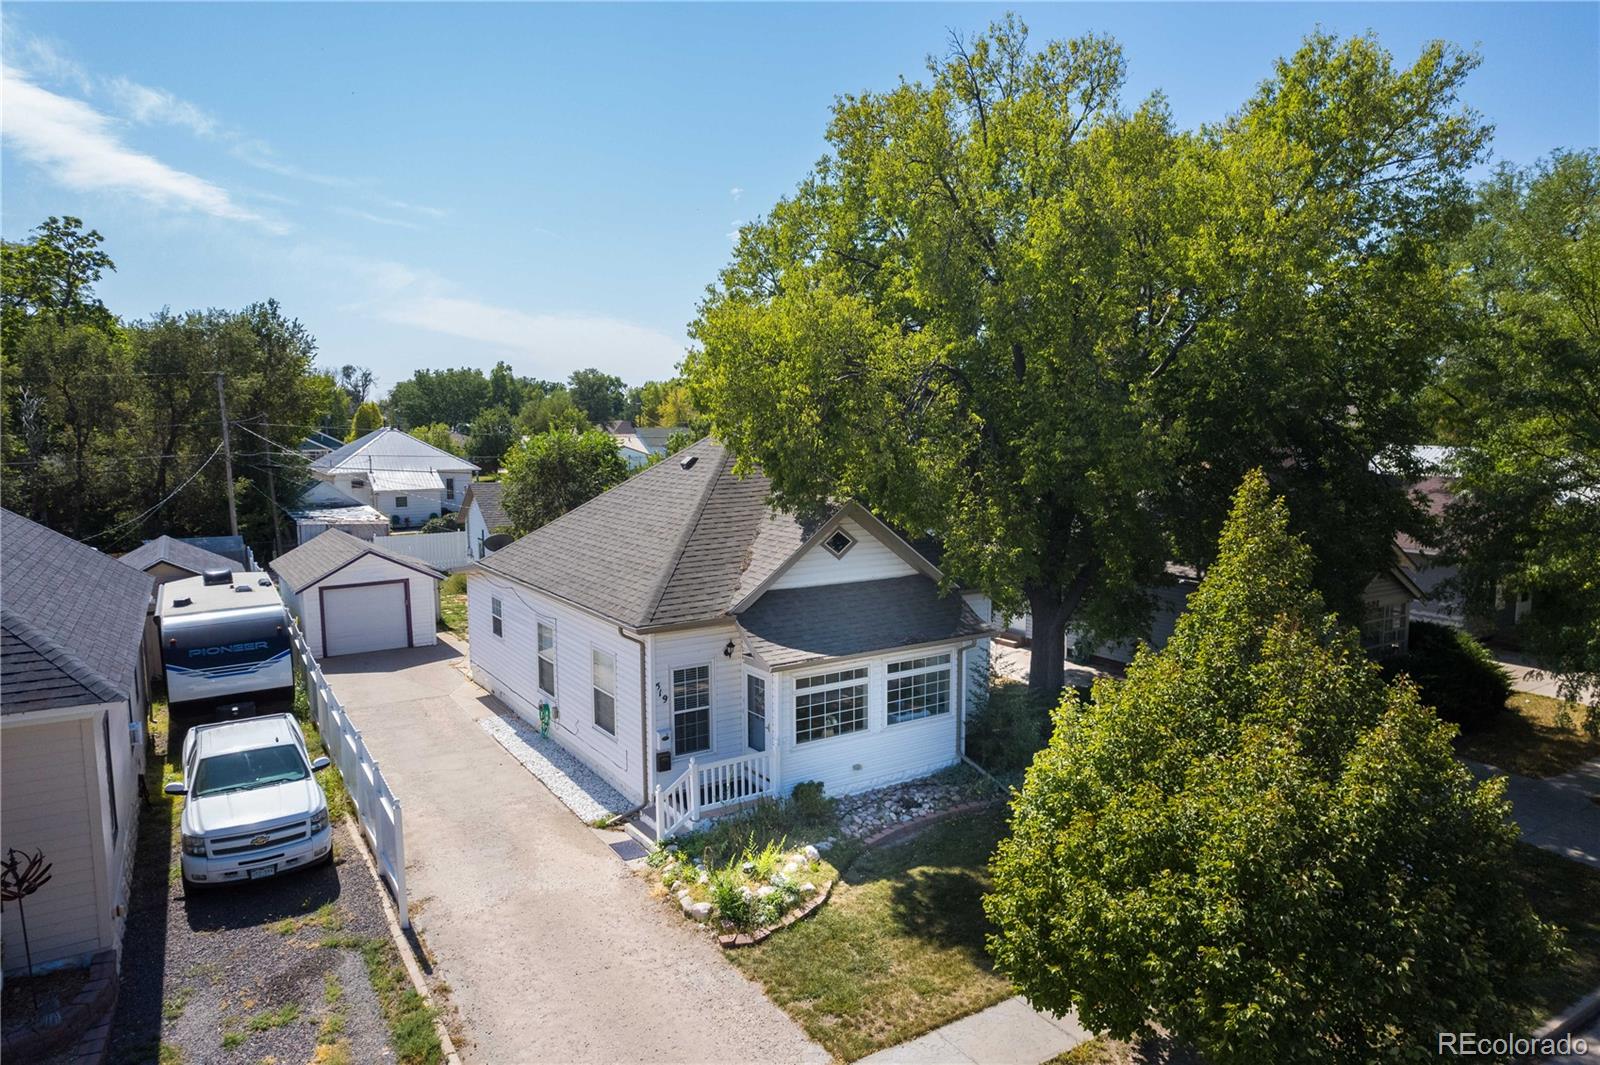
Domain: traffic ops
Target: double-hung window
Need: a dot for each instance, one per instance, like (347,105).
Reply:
(496,618)
(691,710)
(547,658)
(830,704)
(919,687)
(605,691)
(401,502)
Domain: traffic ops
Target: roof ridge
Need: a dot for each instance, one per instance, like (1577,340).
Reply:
(58,656)
(689,529)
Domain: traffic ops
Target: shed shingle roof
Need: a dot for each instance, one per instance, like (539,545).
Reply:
(789,626)
(178,553)
(332,550)
(73,619)
(489,497)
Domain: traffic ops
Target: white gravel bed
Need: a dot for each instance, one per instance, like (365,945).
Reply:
(580,788)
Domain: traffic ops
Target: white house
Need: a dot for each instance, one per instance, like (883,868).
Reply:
(72,709)
(486,515)
(324,507)
(355,595)
(404,478)
(638,444)
(698,649)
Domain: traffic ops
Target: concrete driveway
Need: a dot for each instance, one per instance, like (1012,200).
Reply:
(553,951)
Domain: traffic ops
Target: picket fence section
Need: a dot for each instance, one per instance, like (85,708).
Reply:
(377,809)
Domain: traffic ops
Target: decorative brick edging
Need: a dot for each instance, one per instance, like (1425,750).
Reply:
(85,1021)
(749,939)
(897,833)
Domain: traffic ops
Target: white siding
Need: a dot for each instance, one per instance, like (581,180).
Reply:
(421,504)
(52,795)
(869,559)
(424,598)
(507,665)
(700,647)
(477,530)
(883,753)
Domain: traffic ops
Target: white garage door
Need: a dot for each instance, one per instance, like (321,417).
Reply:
(365,617)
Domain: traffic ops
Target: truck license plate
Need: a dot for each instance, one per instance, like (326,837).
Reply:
(261,871)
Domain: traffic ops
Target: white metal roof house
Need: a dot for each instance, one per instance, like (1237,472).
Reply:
(637,444)
(718,650)
(406,479)
(324,507)
(72,708)
(486,515)
(355,595)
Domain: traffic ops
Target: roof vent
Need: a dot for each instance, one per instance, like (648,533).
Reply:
(243,588)
(185,601)
(218,576)
(688,461)
(265,582)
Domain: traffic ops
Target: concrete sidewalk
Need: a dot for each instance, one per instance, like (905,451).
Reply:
(1010,1033)
(1558,814)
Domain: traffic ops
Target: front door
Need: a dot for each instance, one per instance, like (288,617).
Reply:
(755,712)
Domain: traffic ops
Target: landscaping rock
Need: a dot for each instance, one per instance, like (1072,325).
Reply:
(811,853)
(699,911)
(808,888)
(869,813)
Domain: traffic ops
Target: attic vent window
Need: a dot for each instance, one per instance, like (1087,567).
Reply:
(839,543)
(688,461)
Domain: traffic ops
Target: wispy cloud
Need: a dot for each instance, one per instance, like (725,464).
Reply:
(736,192)
(43,58)
(77,144)
(148,106)
(376,219)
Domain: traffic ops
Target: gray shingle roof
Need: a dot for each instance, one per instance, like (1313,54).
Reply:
(178,553)
(74,619)
(488,495)
(331,550)
(229,546)
(788,626)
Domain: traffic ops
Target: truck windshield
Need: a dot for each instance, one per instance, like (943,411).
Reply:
(241,770)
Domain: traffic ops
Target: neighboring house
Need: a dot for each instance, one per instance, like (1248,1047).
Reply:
(167,558)
(72,709)
(324,507)
(228,546)
(356,595)
(486,515)
(698,649)
(400,476)
(319,444)
(638,445)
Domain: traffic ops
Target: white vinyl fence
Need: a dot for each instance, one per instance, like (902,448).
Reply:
(377,809)
(445,550)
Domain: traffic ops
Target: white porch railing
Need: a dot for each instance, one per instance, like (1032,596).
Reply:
(706,788)
(445,550)
(377,809)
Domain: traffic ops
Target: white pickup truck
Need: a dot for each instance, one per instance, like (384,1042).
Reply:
(254,806)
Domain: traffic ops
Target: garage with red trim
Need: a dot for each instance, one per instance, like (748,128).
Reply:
(352,596)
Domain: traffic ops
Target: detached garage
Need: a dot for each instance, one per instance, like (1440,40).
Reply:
(352,595)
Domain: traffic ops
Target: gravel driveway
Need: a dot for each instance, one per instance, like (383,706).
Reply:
(553,950)
(264,970)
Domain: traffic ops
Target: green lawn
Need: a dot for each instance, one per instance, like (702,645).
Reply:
(1565,893)
(897,950)
(1533,738)
(453,604)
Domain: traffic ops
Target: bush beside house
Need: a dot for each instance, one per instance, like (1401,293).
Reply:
(1454,674)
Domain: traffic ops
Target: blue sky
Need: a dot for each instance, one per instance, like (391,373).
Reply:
(430,185)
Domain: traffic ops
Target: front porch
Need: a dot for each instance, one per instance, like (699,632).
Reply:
(709,788)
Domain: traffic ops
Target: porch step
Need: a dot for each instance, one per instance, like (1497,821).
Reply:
(642,827)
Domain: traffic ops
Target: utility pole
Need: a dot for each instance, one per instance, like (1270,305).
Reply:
(227,457)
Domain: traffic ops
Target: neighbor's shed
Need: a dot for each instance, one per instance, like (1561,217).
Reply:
(352,595)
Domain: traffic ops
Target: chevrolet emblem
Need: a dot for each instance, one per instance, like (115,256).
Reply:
(260,841)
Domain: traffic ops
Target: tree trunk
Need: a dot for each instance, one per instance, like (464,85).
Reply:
(1047,665)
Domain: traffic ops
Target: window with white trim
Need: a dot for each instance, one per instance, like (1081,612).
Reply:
(605,691)
(1382,626)
(401,502)
(839,543)
(547,658)
(691,710)
(918,688)
(830,704)
(496,617)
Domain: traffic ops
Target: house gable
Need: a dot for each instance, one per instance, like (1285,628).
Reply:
(871,552)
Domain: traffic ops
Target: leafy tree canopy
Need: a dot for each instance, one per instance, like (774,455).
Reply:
(1520,396)
(453,397)
(1055,331)
(554,410)
(598,395)
(368,416)
(549,473)
(1257,844)
(492,433)
(437,434)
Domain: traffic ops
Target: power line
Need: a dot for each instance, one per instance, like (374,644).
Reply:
(158,506)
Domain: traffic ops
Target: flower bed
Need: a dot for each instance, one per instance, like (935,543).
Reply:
(750,896)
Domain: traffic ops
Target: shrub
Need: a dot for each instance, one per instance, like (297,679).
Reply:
(1011,726)
(455,584)
(731,898)
(727,838)
(1454,673)
(808,802)
(440,523)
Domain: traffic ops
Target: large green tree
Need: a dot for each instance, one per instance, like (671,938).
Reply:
(549,473)
(367,417)
(1520,397)
(599,395)
(1054,331)
(453,397)
(492,433)
(1257,844)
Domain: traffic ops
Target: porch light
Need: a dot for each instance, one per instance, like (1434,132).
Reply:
(727,652)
